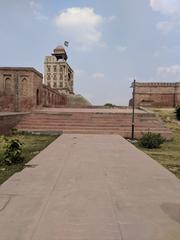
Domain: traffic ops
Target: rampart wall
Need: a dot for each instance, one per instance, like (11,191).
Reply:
(157,94)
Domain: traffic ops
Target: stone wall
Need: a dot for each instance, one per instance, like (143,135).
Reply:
(9,121)
(52,98)
(21,89)
(157,94)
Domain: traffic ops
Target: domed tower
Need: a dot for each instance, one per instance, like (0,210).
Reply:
(57,72)
(60,53)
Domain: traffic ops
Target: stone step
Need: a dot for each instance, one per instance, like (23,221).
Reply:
(88,126)
(93,122)
(88,120)
(111,116)
(113,124)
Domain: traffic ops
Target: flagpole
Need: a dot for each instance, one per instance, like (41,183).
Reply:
(133,111)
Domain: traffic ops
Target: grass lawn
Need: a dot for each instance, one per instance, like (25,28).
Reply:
(33,144)
(169,153)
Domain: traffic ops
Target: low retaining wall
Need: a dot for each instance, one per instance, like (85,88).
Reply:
(9,121)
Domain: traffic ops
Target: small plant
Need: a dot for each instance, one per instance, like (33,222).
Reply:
(178,112)
(151,140)
(14,131)
(13,151)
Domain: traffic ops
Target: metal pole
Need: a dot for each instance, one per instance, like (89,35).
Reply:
(133,110)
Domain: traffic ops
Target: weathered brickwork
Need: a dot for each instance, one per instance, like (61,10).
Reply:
(9,121)
(21,89)
(157,94)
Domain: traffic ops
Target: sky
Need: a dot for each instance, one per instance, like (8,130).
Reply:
(110,42)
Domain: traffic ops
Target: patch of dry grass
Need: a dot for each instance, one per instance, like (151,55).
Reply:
(169,153)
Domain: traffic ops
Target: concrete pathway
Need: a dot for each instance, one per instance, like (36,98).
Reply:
(91,187)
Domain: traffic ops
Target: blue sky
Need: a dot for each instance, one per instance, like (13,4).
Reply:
(110,41)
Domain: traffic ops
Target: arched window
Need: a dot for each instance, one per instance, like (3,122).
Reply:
(8,85)
(48,68)
(24,87)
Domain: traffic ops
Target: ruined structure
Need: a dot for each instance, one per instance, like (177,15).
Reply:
(21,89)
(157,94)
(57,72)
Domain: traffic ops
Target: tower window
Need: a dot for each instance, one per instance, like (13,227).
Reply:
(61,76)
(48,68)
(55,68)
(48,77)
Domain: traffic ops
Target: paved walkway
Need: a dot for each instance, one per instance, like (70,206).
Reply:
(91,187)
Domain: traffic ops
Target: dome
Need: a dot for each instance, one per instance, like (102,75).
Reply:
(59,47)
(60,53)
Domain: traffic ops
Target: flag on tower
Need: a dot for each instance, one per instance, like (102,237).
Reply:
(66,43)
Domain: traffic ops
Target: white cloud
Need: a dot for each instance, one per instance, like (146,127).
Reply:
(165,26)
(168,26)
(121,49)
(36,9)
(168,7)
(98,75)
(170,70)
(171,9)
(81,26)
(111,18)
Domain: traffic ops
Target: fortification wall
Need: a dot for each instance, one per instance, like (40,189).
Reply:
(157,94)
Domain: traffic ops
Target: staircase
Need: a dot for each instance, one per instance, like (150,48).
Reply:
(92,122)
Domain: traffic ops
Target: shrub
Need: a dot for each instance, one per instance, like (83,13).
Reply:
(13,151)
(110,105)
(14,131)
(151,140)
(178,112)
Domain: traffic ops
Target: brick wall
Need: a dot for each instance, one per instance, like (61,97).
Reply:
(51,97)
(157,94)
(21,90)
(9,121)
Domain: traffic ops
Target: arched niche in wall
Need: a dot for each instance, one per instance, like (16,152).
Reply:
(8,86)
(24,87)
(38,97)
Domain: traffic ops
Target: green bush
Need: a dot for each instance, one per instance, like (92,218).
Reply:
(178,112)
(14,131)
(151,140)
(13,151)
(110,105)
